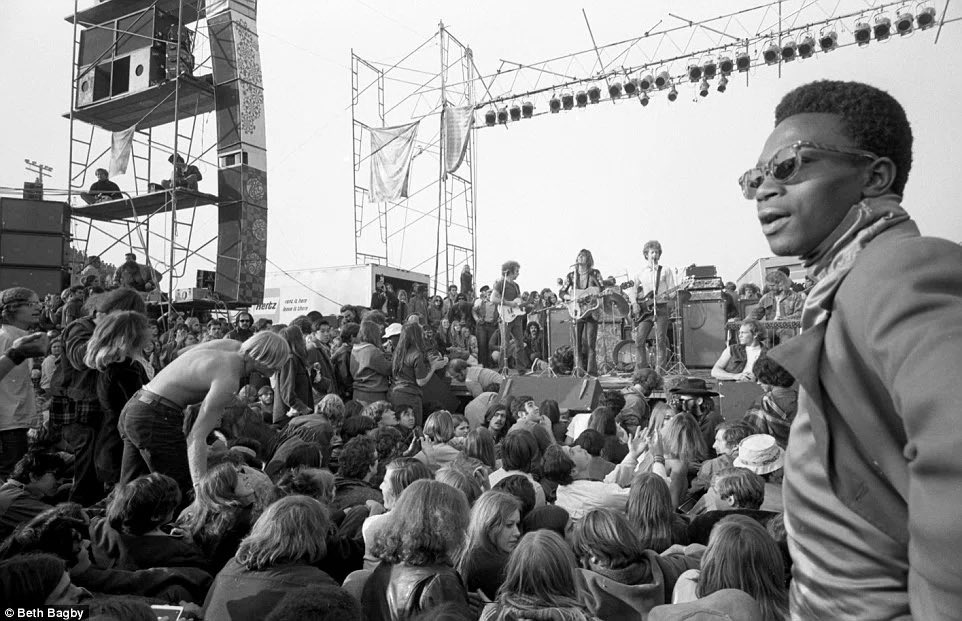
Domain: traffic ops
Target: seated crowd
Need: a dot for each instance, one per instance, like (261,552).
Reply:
(323,469)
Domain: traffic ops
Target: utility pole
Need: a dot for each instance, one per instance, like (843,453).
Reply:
(33,190)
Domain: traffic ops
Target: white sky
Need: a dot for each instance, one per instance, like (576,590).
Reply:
(607,178)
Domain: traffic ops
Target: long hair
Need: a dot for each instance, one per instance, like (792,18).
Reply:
(490,513)
(607,536)
(493,409)
(549,409)
(369,332)
(295,339)
(267,348)
(410,344)
(292,530)
(439,426)
(118,336)
(742,555)
(216,506)
(683,439)
(461,479)
(590,259)
(400,474)
(480,444)
(426,526)
(650,511)
(540,572)
(602,420)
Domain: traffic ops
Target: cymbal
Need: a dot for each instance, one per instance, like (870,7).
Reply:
(615,305)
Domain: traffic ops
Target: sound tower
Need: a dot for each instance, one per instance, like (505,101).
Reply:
(703,332)
(33,245)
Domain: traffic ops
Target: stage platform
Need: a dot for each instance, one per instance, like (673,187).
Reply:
(143,205)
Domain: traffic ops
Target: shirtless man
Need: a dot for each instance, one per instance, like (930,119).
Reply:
(153,420)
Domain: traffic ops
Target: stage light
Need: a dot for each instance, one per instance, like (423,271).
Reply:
(926,18)
(663,80)
(646,82)
(725,65)
(631,87)
(527,109)
(554,104)
(863,34)
(770,54)
(710,70)
(515,112)
(490,118)
(672,94)
(694,73)
(828,41)
(567,101)
(882,29)
(806,47)
(703,88)
(722,84)
(644,99)
(614,91)
(581,99)
(743,61)
(904,24)
(789,51)
(594,94)
(503,116)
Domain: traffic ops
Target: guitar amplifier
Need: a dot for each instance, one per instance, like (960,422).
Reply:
(194,294)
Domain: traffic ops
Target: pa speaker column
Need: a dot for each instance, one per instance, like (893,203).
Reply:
(241,151)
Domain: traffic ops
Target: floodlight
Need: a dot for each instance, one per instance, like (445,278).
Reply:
(722,84)
(771,54)
(614,90)
(515,112)
(663,80)
(709,70)
(882,29)
(743,61)
(503,116)
(703,88)
(725,65)
(490,118)
(904,23)
(644,99)
(554,104)
(789,51)
(594,94)
(527,109)
(828,41)
(631,87)
(806,47)
(581,98)
(694,73)
(646,82)
(567,101)
(672,94)
(863,34)
(926,18)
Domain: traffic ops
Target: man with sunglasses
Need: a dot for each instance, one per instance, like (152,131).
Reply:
(244,329)
(872,473)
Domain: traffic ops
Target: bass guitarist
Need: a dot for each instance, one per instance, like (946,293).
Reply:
(506,294)
(582,292)
(649,312)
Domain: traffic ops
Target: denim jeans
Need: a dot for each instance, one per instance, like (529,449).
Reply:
(81,440)
(154,441)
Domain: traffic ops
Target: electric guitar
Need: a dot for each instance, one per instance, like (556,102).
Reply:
(649,302)
(510,313)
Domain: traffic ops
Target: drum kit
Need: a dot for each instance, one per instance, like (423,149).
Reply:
(612,348)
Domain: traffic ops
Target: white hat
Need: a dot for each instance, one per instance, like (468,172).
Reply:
(392,330)
(760,454)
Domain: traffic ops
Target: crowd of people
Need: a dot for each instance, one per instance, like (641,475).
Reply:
(323,469)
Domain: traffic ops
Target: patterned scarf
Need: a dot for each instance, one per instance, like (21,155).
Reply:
(515,607)
(831,260)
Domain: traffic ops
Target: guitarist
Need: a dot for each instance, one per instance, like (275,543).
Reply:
(653,280)
(506,294)
(583,279)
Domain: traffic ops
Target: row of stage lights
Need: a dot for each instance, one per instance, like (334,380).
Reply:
(789,50)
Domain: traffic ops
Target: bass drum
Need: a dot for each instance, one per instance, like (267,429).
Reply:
(625,355)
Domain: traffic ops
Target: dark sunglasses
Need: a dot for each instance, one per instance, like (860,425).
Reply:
(787,161)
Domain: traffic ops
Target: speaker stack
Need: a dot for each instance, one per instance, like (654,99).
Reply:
(704,329)
(33,245)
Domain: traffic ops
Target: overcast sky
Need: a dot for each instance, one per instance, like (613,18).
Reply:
(608,177)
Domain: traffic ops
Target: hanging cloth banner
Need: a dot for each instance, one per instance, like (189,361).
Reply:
(391,151)
(457,133)
(120,146)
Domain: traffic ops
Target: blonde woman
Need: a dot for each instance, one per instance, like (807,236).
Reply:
(116,349)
